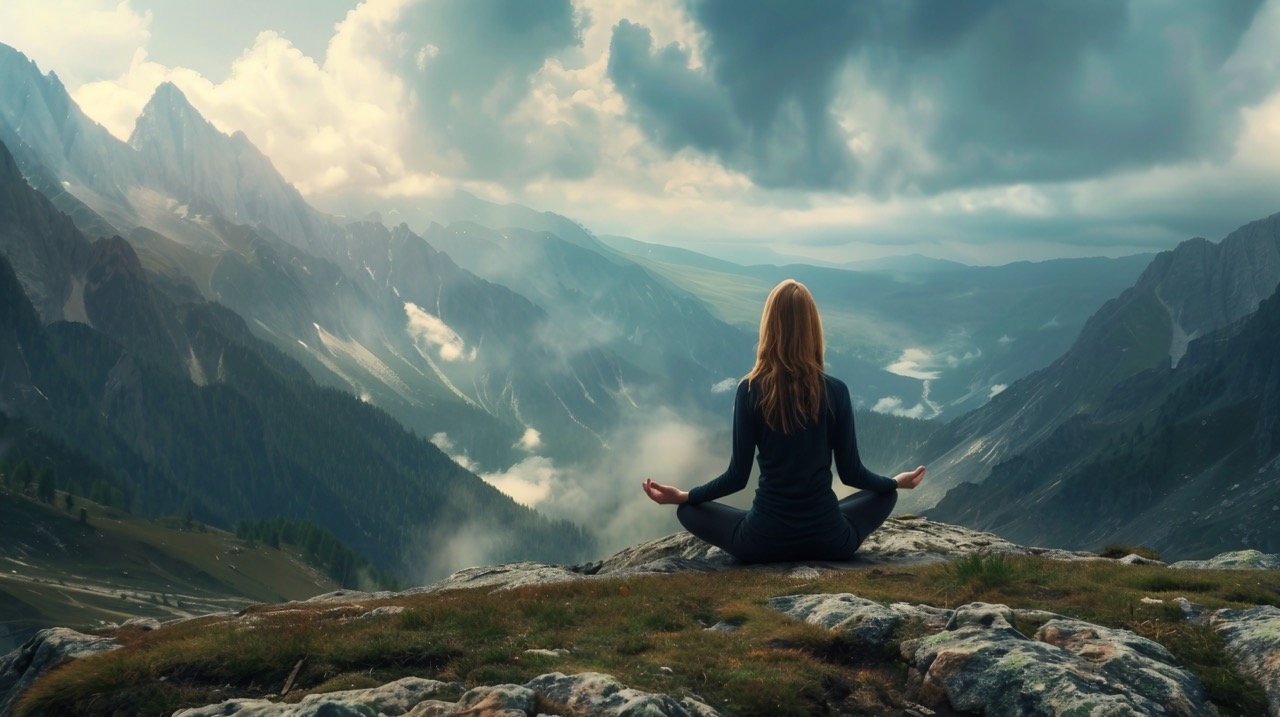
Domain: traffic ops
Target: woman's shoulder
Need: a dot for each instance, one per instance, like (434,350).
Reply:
(835,383)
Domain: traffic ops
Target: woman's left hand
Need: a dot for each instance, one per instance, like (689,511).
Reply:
(664,494)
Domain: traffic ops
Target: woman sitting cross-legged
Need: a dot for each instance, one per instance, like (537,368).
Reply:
(799,418)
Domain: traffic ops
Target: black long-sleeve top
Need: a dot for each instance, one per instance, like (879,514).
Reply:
(794,499)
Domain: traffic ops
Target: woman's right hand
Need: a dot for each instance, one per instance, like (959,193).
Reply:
(909,479)
(664,494)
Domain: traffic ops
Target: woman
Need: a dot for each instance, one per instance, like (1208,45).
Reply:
(798,417)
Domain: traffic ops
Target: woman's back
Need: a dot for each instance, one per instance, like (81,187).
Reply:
(794,506)
(799,419)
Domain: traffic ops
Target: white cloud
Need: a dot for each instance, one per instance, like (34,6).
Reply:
(530,440)
(894,406)
(442,441)
(996,389)
(332,127)
(527,482)
(340,127)
(426,328)
(914,363)
(82,40)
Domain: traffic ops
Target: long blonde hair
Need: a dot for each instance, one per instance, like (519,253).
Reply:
(789,358)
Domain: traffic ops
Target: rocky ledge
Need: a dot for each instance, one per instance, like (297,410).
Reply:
(900,541)
(972,658)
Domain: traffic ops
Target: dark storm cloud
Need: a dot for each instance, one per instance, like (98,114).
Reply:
(995,92)
(469,64)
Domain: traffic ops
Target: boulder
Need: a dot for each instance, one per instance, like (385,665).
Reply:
(392,699)
(982,664)
(899,541)
(595,693)
(865,623)
(1251,637)
(1128,659)
(1234,560)
(44,651)
(588,693)
(496,701)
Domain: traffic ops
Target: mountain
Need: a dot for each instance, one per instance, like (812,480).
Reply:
(926,340)
(906,264)
(596,298)
(178,403)
(208,214)
(1188,291)
(227,171)
(1184,459)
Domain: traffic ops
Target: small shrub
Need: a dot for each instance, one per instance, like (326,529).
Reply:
(985,570)
(1170,582)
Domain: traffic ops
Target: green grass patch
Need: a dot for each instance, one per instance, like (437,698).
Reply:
(633,627)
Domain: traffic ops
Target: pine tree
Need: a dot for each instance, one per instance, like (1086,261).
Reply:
(44,486)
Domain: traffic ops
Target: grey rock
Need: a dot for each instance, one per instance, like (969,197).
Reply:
(899,541)
(595,693)
(44,651)
(1234,560)
(865,623)
(983,664)
(981,614)
(1135,559)
(1128,659)
(393,698)
(1034,615)
(1251,637)
(588,693)
(723,626)
(496,701)
(555,652)
(505,577)
(932,618)
(145,624)
(345,595)
(1190,610)
(383,611)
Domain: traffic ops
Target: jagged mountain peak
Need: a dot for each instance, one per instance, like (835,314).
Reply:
(169,116)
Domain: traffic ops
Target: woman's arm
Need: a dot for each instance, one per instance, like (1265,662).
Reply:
(735,477)
(844,445)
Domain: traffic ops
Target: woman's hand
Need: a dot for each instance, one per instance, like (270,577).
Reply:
(664,494)
(909,479)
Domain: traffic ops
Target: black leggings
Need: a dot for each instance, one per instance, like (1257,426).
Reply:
(717,523)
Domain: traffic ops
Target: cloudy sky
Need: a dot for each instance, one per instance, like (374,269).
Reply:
(980,131)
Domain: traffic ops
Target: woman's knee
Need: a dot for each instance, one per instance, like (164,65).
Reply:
(684,511)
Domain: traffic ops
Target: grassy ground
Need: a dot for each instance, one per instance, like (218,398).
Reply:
(56,571)
(632,628)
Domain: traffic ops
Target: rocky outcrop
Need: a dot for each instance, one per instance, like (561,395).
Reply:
(975,660)
(905,540)
(44,651)
(1251,637)
(981,663)
(1235,560)
(587,693)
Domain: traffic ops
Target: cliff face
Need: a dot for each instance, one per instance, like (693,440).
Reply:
(1188,292)
(1181,459)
